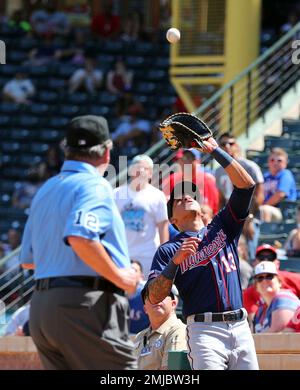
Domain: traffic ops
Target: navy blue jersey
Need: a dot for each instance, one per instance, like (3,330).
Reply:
(209,280)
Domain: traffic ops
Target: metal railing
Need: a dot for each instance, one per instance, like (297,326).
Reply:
(234,107)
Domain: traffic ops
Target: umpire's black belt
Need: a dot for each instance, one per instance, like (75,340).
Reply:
(226,316)
(93,283)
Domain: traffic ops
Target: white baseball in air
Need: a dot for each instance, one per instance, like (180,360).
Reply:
(173,35)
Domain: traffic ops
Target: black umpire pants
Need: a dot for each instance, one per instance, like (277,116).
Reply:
(80,328)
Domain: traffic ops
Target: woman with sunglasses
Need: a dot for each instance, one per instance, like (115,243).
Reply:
(279,305)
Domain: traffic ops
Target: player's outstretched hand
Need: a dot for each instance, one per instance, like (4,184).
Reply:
(209,145)
(188,247)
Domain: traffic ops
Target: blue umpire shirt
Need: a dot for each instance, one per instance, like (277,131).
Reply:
(76,202)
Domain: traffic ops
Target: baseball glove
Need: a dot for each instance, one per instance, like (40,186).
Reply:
(184,130)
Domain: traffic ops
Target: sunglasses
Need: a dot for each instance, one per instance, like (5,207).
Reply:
(270,257)
(260,278)
(231,143)
(276,160)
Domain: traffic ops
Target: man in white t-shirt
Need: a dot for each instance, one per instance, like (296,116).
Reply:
(19,89)
(144,211)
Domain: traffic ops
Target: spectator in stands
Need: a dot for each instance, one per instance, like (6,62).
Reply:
(292,244)
(127,104)
(246,269)
(279,185)
(25,192)
(75,53)
(165,333)
(17,321)
(13,242)
(52,163)
(19,89)
(133,131)
(88,79)
(289,280)
(279,305)
(251,228)
(44,53)
(18,20)
(133,27)
(49,21)
(119,79)
(144,212)
(190,169)
(106,24)
(138,318)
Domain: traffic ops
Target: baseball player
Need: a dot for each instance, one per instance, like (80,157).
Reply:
(75,239)
(203,263)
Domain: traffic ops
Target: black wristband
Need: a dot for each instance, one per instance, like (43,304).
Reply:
(170,270)
(222,157)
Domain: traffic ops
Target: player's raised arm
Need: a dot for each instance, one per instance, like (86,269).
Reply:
(237,174)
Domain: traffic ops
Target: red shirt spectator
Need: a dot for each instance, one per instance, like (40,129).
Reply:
(106,24)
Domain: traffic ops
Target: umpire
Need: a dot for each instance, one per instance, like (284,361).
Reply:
(75,240)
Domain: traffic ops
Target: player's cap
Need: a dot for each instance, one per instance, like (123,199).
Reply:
(181,152)
(174,292)
(265,267)
(181,188)
(86,131)
(142,157)
(267,248)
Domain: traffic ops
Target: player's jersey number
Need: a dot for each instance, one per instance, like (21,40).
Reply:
(229,263)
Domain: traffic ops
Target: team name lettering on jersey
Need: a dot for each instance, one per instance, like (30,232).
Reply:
(204,256)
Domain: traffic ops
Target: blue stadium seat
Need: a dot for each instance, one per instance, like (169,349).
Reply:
(278,142)
(68,110)
(106,98)
(99,110)
(56,84)
(58,122)
(9,108)
(50,135)
(291,126)
(77,98)
(26,121)
(39,109)
(47,97)
(28,160)
(38,148)
(10,147)
(146,88)
(17,173)
(9,70)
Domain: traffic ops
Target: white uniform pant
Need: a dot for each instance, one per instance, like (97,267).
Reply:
(221,345)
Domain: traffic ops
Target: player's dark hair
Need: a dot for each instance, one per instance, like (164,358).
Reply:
(226,135)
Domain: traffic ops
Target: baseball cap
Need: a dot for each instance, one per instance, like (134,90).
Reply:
(86,131)
(180,153)
(142,157)
(183,187)
(267,248)
(174,292)
(265,267)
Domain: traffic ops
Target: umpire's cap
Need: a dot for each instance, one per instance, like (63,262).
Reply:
(184,187)
(174,292)
(86,131)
